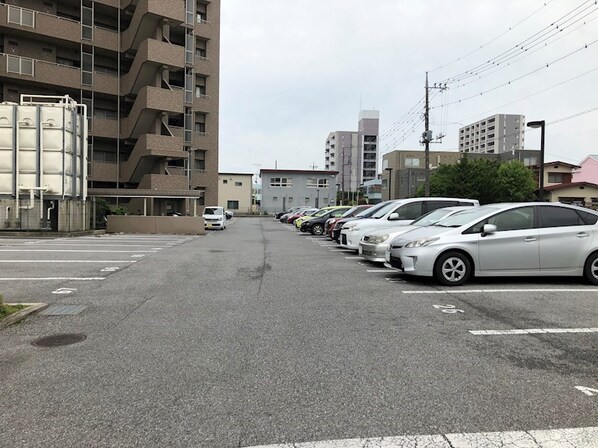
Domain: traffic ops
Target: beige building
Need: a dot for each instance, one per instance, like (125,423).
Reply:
(235,192)
(148,72)
(584,194)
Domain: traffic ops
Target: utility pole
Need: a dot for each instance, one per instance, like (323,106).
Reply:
(427,135)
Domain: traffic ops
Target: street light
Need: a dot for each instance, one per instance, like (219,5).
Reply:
(389,169)
(542,125)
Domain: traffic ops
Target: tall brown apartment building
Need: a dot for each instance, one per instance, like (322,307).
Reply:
(148,71)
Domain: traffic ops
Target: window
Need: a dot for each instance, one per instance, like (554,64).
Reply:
(17,64)
(412,162)
(87,22)
(517,219)
(312,182)
(556,178)
(20,16)
(238,184)
(200,160)
(433,205)
(290,199)
(274,199)
(201,50)
(232,205)
(410,211)
(286,182)
(561,216)
(224,181)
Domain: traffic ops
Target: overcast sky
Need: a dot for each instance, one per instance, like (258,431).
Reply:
(293,71)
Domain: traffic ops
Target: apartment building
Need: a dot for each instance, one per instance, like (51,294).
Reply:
(496,134)
(148,71)
(354,153)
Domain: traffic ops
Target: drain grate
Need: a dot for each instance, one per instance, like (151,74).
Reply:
(62,310)
(58,340)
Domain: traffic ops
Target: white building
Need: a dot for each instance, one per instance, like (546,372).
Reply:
(496,134)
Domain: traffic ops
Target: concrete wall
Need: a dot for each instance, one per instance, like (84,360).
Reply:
(73,215)
(187,225)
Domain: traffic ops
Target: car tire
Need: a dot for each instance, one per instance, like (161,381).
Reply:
(452,269)
(590,269)
(317,229)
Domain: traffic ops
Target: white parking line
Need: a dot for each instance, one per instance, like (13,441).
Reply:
(343,250)
(548,438)
(470,291)
(44,279)
(354,258)
(533,331)
(379,270)
(87,245)
(66,261)
(79,250)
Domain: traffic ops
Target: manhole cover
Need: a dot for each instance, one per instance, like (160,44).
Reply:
(59,339)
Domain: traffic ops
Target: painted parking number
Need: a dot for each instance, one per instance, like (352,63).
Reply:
(64,291)
(587,390)
(449,309)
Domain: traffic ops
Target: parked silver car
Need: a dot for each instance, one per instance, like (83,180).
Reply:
(521,239)
(374,244)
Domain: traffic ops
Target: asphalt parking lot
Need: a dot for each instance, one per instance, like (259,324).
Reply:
(258,335)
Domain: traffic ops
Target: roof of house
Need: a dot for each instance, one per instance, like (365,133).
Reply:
(557,162)
(235,174)
(569,185)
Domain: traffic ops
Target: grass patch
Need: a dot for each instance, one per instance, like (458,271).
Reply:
(6,310)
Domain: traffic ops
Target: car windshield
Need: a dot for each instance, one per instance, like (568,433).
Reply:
(384,210)
(368,212)
(212,211)
(321,213)
(465,217)
(349,212)
(432,217)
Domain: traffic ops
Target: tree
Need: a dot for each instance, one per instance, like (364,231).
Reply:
(482,179)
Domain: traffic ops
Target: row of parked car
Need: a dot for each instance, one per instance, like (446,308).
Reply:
(453,239)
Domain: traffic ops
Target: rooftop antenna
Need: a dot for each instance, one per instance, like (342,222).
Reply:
(313,166)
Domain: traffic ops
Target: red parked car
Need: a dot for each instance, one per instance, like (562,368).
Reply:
(309,211)
(329,226)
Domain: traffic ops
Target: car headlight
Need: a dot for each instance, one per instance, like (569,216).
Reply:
(377,239)
(351,228)
(422,243)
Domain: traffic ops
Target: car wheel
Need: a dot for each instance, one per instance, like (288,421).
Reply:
(317,229)
(590,270)
(452,269)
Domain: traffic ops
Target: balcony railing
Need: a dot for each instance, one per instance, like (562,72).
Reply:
(21,16)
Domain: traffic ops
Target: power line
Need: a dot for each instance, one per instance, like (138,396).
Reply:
(494,39)
(579,114)
(530,95)
(525,55)
(508,83)
(518,47)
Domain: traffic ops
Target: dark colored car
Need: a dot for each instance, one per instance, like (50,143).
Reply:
(336,231)
(316,225)
(348,214)
(307,212)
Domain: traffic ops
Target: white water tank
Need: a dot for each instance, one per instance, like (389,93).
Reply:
(43,147)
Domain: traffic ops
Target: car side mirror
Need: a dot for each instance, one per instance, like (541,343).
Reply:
(488,229)
(393,216)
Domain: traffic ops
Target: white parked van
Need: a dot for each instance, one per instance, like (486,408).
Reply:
(214,218)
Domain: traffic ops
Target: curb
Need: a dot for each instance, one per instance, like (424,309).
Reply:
(20,315)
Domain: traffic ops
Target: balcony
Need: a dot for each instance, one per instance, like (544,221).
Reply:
(104,127)
(146,17)
(50,26)
(163,182)
(150,102)
(102,172)
(152,56)
(147,151)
